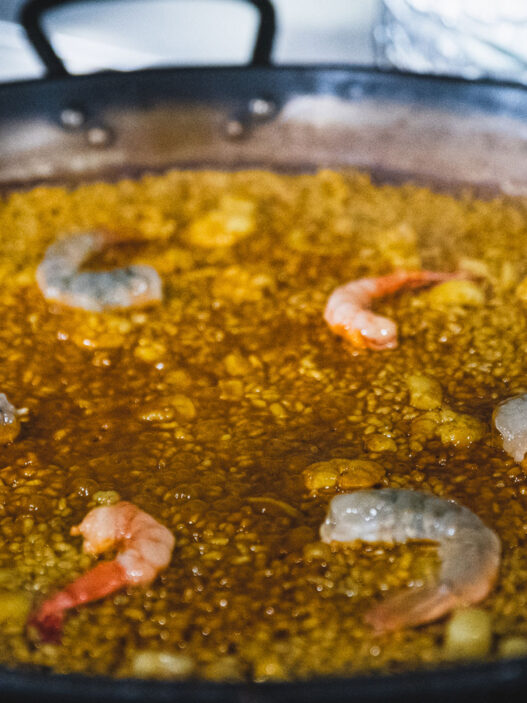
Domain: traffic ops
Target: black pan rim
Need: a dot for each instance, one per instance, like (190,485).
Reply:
(487,679)
(237,85)
(273,69)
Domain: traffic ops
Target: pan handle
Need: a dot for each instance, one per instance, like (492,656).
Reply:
(33,10)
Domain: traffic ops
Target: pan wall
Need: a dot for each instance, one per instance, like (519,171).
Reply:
(395,125)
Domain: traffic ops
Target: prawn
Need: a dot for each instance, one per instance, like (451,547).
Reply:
(9,420)
(470,552)
(147,550)
(347,310)
(60,279)
(510,419)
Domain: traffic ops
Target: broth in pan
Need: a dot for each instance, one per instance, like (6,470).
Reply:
(187,350)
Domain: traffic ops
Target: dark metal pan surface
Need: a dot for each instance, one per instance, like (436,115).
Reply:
(430,129)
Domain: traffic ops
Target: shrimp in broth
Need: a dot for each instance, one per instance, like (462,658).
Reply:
(347,310)
(470,552)
(510,419)
(9,420)
(146,550)
(60,279)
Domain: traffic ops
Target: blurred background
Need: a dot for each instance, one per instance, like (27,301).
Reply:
(471,38)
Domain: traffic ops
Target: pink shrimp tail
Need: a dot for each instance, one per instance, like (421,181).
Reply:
(347,310)
(412,607)
(393,282)
(103,579)
(49,618)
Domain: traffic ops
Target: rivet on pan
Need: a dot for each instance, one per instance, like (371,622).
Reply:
(261,108)
(72,118)
(99,136)
(234,129)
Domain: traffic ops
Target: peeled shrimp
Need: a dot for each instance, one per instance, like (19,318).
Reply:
(347,310)
(510,419)
(9,420)
(60,279)
(470,552)
(146,549)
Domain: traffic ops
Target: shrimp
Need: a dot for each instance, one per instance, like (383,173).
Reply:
(470,552)
(9,420)
(147,549)
(59,278)
(348,315)
(510,419)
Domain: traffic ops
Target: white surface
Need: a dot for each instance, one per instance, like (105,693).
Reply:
(470,38)
(128,34)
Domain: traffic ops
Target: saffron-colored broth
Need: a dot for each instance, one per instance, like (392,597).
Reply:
(220,412)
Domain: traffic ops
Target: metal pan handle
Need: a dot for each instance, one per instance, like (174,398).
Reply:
(31,15)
